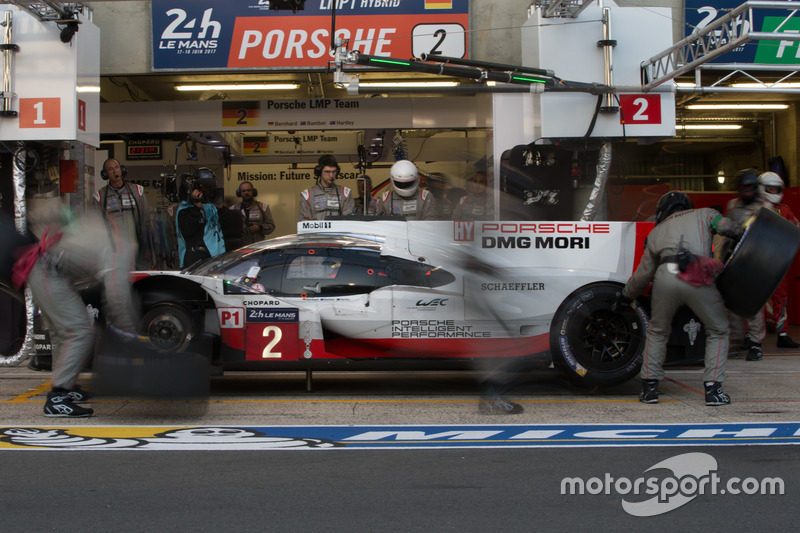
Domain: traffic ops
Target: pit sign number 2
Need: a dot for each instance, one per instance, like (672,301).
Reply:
(445,39)
(640,108)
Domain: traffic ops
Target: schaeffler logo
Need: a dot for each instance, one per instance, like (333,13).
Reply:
(692,475)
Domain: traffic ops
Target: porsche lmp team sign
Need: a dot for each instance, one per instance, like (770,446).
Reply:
(246,34)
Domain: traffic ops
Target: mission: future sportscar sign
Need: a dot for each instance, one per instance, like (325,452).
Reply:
(246,34)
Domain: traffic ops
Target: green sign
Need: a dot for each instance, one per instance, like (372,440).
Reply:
(779,52)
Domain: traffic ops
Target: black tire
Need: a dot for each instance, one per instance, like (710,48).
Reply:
(594,345)
(170,327)
(758,263)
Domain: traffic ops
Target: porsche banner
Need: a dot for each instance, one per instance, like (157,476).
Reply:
(246,34)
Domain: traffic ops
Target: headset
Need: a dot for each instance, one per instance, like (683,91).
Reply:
(239,191)
(326,161)
(104,174)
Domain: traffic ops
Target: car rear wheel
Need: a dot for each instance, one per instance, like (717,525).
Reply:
(594,345)
(170,327)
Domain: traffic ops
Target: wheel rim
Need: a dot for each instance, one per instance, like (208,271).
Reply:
(606,341)
(166,332)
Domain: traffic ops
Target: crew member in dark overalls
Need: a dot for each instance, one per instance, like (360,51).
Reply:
(255,216)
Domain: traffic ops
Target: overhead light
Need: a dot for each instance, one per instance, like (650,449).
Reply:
(239,87)
(87,89)
(777,85)
(737,106)
(721,176)
(708,126)
(408,84)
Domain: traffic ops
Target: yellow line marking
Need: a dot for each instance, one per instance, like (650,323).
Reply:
(24,397)
(423,401)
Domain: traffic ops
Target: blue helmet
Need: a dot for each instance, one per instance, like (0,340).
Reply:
(747,184)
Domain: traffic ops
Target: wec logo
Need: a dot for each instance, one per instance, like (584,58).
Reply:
(436,302)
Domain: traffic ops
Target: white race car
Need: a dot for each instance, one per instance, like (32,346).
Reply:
(350,294)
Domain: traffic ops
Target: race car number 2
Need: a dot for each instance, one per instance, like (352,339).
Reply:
(271,333)
(272,341)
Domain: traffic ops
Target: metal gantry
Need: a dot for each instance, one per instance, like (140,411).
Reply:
(561,8)
(723,35)
(47,11)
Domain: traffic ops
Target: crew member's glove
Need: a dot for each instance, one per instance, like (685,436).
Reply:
(621,301)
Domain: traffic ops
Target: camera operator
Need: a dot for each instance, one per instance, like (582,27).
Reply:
(197,220)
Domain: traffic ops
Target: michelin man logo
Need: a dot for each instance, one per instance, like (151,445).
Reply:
(93,312)
(199,438)
(692,328)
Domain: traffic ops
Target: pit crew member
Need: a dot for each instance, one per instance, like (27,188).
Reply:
(406,199)
(678,260)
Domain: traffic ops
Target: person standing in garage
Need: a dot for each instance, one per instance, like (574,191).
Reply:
(478,204)
(326,198)
(746,332)
(770,191)
(256,218)
(678,261)
(127,203)
(406,199)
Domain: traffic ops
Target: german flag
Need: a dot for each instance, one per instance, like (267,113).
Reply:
(254,145)
(240,114)
(438,4)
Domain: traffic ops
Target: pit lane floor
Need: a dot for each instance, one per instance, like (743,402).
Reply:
(763,391)
(223,488)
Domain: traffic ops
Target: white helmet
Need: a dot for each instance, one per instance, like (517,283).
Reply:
(770,179)
(405,179)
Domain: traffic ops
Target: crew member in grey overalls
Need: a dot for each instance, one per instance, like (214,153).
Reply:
(406,199)
(83,250)
(747,332)
(678,260)
(326,198)
(127,203)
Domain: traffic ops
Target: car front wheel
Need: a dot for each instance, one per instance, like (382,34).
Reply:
(169,327)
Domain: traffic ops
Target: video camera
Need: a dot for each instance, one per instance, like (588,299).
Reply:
(203,180)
